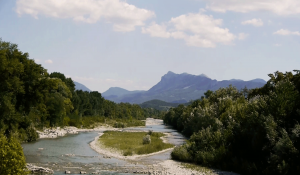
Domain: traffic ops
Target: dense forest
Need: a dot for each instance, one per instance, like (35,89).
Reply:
(31,98)
(249,132)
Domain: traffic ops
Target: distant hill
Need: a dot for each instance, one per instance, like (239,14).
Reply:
(79,86)
(158,104)
(181,88)
(114,93)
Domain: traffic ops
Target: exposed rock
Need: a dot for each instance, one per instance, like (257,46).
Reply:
(36,169)
(58,132)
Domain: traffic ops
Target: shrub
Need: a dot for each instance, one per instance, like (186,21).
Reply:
(32,135)
(120,125)
(157,134)
(181,153)
(146,139)
(150,132)
(127,153)
(12,158)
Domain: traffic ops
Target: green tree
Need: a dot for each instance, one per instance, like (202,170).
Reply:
(12,159)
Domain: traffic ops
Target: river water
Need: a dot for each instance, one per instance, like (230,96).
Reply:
(73,153)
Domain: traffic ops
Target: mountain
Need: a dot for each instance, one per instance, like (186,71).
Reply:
(79,86)
(182,88)
(114,93)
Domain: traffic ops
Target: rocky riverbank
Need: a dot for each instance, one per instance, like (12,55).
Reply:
(40,170)
(167,167)
(60,132)
(57,132)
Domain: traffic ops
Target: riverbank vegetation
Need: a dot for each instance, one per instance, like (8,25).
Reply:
(92,122)
(130,143)
(12,160)
(31,98)
(249,132)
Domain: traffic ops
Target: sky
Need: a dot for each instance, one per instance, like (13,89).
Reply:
(132,43)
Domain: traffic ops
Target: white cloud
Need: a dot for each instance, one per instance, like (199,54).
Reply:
(156,30)
(49,61)
(242,36)
(198,30)
(279,7)
(123,16)
(37,60)
(254,22)
(286,32)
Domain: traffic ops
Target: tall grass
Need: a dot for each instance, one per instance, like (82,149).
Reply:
(130,143)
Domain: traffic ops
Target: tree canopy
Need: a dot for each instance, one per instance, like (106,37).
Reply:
(249,132)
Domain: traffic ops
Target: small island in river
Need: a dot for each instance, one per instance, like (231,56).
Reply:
(130,145)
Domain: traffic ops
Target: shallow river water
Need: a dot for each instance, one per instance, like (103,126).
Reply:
(73,153)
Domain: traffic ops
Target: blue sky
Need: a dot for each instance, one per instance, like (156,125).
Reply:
(131,44)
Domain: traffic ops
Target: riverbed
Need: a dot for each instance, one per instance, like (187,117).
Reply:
(74,154)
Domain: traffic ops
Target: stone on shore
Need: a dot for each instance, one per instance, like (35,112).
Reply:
(58,132)
(36,169)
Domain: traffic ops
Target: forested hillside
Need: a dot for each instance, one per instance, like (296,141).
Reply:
(159,105)
(31,98)
(249,132)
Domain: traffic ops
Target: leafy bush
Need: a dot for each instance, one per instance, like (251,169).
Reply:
(127,153)
(120,125)
(146,139)
(181,153)
(32,135)
(12,159)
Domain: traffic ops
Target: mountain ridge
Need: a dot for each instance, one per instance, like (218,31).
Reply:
(79,86)
(181,88)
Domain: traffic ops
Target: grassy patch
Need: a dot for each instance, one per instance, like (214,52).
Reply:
(130,143)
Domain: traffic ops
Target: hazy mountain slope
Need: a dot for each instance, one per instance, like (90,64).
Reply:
(79,86)
(114,93)
(183,88)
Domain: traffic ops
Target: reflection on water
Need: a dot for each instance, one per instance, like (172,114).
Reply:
(74,152)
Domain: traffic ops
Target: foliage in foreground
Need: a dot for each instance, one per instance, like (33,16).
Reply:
(130,143)
(12,160)
(250,133)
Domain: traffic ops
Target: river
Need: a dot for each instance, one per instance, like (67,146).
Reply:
(73,153)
